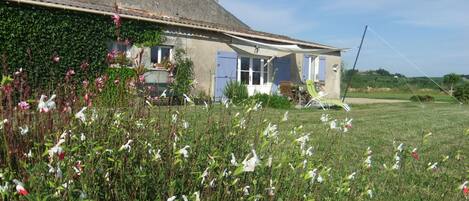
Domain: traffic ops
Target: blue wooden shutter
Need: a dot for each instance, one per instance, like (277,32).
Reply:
(281,71)
(322,69)
(305,70)
(227,63)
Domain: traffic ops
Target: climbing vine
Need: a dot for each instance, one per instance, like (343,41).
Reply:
(47,42)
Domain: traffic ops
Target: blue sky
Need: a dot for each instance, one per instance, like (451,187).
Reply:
(433,34)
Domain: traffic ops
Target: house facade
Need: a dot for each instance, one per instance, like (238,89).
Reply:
(221,46)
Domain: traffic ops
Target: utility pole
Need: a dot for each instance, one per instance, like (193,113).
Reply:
(349,82)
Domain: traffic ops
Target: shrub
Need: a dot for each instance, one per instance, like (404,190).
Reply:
(420,98)
(462,92)
(236,91)
(183,78)
(273,101)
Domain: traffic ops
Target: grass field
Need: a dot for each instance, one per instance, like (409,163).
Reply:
(439,97)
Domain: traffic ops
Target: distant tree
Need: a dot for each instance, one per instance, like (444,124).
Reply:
(383,72)
(450,80)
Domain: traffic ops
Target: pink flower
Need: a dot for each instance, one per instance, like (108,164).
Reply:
(117,20)
(23,105)
(99,83)
(84,65)
(110,56)
(70,72)
(116,81)
(415,155)
(85,83)
(141,78)
(56,59)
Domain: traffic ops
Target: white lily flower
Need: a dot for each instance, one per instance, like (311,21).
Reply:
(285,116)
(206,105)
(163,95)
(312,175)
(171,198)
(82,137)
(324,118)
(302,140)
(271,131)
(2,123)
(246,190)
(30,154)
(352,176)
(24,130)
(184,198)
(370,193)
(212,183)
(320,179)
(271,189)
(433,166)
(184,151)
(185,124)
(400,147)
(81,115)
(204,176)
(197,196)
(174,118)
(368,162)
(187,99)
(126,146)
(233,160)
(308,152)
(333,124)
(368,151)
(251,163)
(46,106)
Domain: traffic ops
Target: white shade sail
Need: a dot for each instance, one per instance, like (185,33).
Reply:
(268,49)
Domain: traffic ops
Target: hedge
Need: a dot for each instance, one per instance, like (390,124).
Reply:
(30,36)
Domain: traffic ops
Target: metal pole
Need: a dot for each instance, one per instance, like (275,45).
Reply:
(354,65)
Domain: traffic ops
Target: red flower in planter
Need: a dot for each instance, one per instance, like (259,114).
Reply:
(415,155)
(465,191)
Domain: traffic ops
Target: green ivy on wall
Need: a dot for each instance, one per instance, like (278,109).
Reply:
(30,36)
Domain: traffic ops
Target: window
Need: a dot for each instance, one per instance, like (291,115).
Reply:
(119,47)
(159,54)
(253,71)
(245,66)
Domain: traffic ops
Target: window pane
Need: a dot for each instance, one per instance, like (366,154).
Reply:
(165,53)
(245,77)
(256,64)
(154,55)
(256,78)
(244,63)
(266,79)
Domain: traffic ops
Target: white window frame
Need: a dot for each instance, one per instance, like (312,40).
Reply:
(251,71)
(159,52)
(313,68)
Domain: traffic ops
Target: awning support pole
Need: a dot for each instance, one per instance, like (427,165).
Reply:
(349,82)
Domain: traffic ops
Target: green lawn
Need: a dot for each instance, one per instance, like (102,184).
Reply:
(377,126)
(440,97)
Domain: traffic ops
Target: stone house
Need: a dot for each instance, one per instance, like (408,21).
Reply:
(222,47)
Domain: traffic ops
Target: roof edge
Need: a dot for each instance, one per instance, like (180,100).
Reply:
(173,22)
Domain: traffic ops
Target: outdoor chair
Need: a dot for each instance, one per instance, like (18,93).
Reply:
(319,98)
